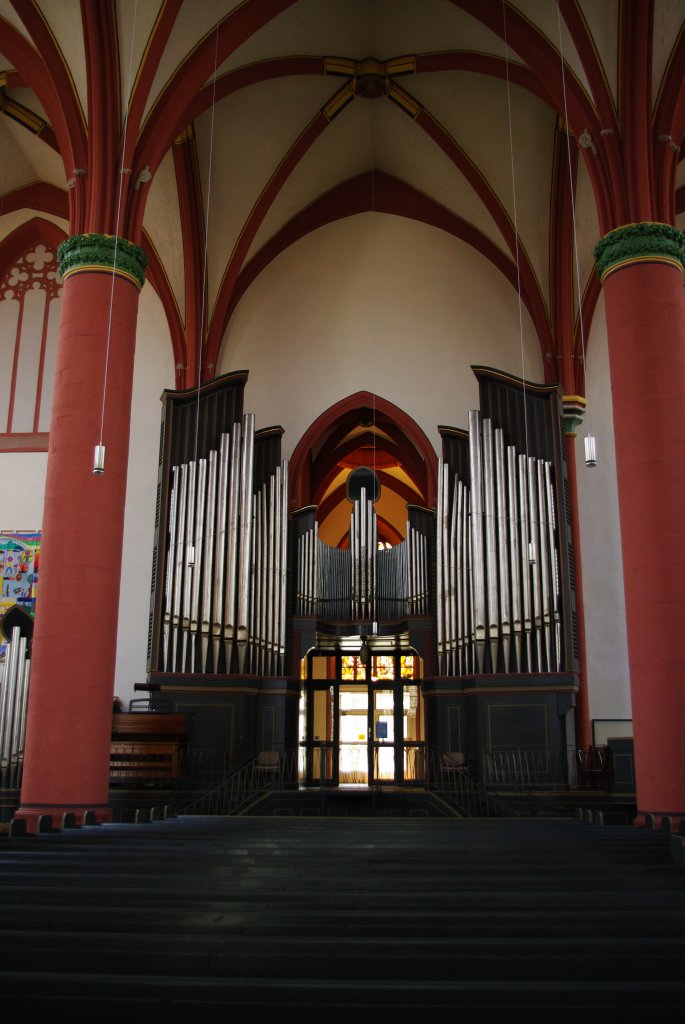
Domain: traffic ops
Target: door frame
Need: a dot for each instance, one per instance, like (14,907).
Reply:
(327,752)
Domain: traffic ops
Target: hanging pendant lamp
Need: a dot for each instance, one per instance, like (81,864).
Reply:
(99,460)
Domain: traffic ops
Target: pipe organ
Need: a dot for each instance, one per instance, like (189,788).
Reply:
(497,558)
(14,688)
(226,560)
(362,583)
(489,571)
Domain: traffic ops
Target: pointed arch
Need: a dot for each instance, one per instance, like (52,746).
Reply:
(350,408)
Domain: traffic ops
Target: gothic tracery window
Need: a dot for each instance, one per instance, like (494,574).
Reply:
(30,293)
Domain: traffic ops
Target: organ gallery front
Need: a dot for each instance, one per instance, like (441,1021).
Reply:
(368,655)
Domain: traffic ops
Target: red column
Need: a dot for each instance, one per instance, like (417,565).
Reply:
(69,720)
(645,311)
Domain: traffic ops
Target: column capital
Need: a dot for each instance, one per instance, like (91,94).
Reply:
(644,242)
(102,253)
(573,411)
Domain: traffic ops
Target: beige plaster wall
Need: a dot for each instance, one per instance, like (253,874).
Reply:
(378,303)
(605,627)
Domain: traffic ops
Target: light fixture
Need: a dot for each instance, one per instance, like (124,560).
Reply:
(590,450)
(99,460)
(365,652)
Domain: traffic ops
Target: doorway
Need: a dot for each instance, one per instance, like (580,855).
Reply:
(359,731)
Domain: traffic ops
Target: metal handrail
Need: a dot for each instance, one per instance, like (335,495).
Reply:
(243,785)
(523,769)
(463,790)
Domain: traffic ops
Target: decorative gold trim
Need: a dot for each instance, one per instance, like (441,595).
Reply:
(338,102)
(676,264)
(97,268)
(404,101)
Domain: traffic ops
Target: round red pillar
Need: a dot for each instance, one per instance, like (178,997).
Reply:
(69,718)
(641,267)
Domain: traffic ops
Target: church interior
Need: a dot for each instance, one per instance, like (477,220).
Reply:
(342,475)
(341,403)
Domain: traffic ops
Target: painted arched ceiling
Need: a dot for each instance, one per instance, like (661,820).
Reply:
(215,134)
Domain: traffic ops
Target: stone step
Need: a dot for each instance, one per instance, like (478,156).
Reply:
(154,998)
(333,918)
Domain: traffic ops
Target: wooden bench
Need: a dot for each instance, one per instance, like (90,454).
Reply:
(146,746)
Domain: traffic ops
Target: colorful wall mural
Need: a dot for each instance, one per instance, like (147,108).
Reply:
(19,565)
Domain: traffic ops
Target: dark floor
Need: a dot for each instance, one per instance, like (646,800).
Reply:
(341,919)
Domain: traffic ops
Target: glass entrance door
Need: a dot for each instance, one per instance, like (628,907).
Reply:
(362,731)
(353,752)
(382,731)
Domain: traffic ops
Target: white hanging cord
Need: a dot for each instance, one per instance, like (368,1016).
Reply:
(531,547)
(204,268)
(516,232)
(374,626)
(373,306)
(99,457)
(590,450)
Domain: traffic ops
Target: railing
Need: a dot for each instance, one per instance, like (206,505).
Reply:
(256,776)
(523,769)
(473,794)
(459,787)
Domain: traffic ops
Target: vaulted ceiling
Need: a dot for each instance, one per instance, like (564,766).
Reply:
(217,133)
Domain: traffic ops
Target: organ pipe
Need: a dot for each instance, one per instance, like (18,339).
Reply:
(497,608)
(226,568)
(14,684)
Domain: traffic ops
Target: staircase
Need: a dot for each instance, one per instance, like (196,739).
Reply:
(341,919)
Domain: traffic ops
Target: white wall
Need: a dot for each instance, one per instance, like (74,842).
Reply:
(379,303)
(153,371)
(605,626)
(22,490)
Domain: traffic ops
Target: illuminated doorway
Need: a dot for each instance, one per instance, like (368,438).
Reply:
(362,726)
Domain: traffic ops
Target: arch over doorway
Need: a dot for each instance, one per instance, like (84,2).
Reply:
(363,430)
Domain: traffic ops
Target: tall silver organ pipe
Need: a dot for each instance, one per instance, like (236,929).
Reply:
(363,552)
(491,560)
(171,561)
(198,553)
(225,591)
(233,513)
(188,560)
(502,514)
(208,560)
(497,561)
(180,554)
(514,555)
(245,540)
(477,538)
(14,687)
(364,582)
(526,550)
(220,548)
(440,624)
